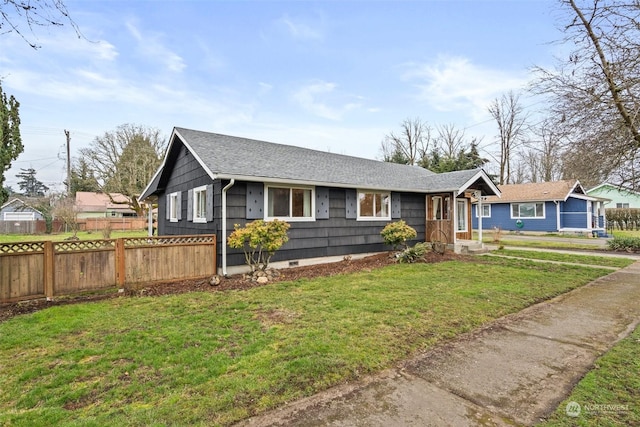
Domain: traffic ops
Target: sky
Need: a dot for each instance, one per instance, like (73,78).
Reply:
(329,75)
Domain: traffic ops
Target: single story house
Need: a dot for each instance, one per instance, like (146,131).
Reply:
(559,206)
(103,205)
(336,205)
(620,197)
(17,210)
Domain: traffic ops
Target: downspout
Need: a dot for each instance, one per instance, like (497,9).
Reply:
(149,219)
(224,226)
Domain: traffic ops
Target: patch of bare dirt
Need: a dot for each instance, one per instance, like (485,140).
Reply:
(236,282)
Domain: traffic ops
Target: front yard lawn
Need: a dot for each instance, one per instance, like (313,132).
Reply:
(608,395)
(213,358)
(573,258)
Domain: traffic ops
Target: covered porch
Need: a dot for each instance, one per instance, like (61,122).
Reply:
(448,208)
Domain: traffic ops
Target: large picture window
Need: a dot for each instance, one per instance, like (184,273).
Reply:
(290,203)
(527,210)
(374,205)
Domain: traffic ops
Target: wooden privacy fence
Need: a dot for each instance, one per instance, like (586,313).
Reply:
(30,270)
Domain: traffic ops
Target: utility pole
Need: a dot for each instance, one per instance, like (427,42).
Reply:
(68,135)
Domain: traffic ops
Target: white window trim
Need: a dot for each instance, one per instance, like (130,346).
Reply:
(483,206)
(290,218)
(544,210)
(373,218)
(197,190)
(19,216)
(466,212)
(173,203)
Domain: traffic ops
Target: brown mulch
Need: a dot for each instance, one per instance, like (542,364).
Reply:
(236,282)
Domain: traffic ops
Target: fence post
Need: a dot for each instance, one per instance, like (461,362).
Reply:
(49,274)
(120,262)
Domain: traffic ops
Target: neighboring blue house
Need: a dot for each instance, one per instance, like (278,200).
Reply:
(560,206)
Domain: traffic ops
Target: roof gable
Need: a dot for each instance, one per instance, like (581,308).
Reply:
(19,206)
(537,191)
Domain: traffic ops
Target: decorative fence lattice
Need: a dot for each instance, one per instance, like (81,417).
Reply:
(21,247)
(46,269)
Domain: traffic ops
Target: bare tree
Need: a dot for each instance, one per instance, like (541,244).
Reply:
(410,145)
(20,16)
(595,90)
(124,160)
(450,140)
(511,120)
(65,211)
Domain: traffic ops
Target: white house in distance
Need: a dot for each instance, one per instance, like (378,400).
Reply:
(102,205)
(620,197)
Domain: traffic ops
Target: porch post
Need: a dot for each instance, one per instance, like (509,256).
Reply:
(478,195)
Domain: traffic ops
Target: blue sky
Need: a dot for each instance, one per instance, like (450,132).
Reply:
(329,75)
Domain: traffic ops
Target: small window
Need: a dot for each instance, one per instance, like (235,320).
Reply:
(290,203)
(622,205)
(486,211)
(200,204)
(527,210)
(440,208)
(173,207)
(374,205)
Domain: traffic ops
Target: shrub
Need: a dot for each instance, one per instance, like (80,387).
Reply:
(397,233)
(415,253)
(259,240)
(629,244)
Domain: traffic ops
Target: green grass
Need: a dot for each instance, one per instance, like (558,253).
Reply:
(626,233)
(218,357)
(540,244)
(609,395)
(57,237)
(560,257)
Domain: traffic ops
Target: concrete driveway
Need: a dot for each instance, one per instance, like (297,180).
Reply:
(514,371)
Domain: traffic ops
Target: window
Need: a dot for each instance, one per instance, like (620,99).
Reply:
(622,205)
(290,203)
(374,205)
(461,215)
(527,210)
(486,211)
(19,216)
(440,207)
(172,208)
(200,204)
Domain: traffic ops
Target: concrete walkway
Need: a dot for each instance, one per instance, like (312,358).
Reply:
(514,371)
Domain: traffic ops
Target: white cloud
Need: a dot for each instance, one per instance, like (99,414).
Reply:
(455,83)
(300,30)
(150,45)
(315,97)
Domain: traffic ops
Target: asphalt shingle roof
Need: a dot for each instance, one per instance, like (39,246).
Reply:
(248,159)
(536,191)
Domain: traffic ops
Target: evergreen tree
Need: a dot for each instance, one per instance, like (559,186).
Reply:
(10,140)
(29,184)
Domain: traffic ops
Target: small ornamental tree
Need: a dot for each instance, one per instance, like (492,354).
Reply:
(259,240)
(397,233)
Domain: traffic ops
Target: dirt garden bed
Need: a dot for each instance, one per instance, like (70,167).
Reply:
(236,282)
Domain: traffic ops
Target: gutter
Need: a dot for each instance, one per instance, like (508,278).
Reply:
(224,225)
